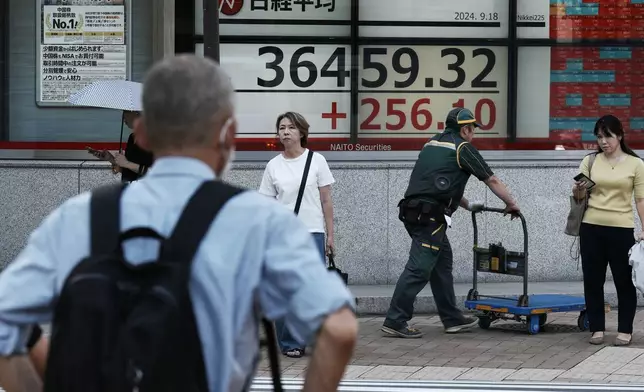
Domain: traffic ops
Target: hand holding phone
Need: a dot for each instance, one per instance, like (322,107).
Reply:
(93,151)
(582,181)
(103,155)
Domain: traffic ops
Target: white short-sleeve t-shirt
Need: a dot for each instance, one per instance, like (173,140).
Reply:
(282,178)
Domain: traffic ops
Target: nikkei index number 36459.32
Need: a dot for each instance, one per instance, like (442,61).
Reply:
(405,63)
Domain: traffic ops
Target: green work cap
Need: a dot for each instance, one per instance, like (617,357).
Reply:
(458,117)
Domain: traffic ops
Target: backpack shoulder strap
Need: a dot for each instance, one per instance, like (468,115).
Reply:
(196,219)
(105,218)
(305,175)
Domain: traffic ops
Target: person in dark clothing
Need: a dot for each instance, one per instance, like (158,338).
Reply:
(136,161)
(434,193)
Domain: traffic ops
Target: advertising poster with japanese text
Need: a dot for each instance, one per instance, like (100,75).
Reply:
(81,41)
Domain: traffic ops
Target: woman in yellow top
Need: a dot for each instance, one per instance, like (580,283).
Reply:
(607,229)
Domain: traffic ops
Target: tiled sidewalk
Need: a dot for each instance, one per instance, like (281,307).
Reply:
(560,353)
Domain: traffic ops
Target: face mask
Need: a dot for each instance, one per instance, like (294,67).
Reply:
(229,163)
(231,156)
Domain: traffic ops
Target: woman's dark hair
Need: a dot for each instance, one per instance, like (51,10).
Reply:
(300,123)
(610,124)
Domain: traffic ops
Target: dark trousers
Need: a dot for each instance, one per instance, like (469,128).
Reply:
(430,260)
(601,246)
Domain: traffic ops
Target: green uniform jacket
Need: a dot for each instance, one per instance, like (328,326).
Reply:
(443,168)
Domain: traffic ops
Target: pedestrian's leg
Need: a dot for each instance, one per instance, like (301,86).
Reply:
(288,345)
(422,258)
(621,240)
(321,244)
(441,281)
(594,264)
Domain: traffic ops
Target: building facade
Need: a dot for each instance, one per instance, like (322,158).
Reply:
(375,79)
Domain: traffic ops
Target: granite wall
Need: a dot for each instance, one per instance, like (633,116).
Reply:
(371,243)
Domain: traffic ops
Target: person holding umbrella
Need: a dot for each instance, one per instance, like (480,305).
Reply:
(134,163)
(121,95)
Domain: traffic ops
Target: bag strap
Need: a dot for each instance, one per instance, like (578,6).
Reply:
(331,260)
(105,218)
(577,254)
(591,160)
(303,183)
(271,342)
(197,217)
(193,224)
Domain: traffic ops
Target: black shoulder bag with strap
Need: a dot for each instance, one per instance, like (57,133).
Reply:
(578,207)
(119,327)
(305,175)
(576,216)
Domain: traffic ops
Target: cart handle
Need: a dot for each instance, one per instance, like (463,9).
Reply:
(502,211)
(525,245)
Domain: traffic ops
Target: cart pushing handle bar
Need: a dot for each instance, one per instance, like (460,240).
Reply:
(501,211)
(525,244)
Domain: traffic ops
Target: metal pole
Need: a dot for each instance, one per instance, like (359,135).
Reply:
(355,61)
(121,137)
(513,54)
(4,70)
(211,29)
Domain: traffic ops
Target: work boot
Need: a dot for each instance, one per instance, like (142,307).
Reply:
(405,332)
(468,323)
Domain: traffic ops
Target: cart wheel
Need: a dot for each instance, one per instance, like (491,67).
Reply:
(485,322)
(472,295)
(582,321)
(543,318)
(533,325)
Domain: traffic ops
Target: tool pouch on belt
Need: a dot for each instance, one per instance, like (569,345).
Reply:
(416,211)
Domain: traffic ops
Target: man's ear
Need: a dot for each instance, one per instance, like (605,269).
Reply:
(227,134)
(141,134)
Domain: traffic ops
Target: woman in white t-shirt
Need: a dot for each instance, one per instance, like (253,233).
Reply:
(282,179)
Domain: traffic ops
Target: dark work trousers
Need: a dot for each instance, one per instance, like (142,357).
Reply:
(430,260)
(601,246)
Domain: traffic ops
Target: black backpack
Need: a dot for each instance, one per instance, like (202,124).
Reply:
(119,327)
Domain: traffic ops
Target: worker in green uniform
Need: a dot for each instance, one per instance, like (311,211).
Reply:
(435,191)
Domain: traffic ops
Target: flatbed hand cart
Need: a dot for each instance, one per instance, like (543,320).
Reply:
(531,309)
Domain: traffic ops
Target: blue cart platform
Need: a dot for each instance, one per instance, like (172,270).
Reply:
(531,309)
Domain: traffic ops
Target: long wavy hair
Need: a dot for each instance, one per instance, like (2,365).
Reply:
(609,125)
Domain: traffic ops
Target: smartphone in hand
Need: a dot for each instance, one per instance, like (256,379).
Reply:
(94,152)
(581,177)
(102,155)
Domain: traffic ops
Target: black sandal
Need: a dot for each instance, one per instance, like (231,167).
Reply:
(294,353)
